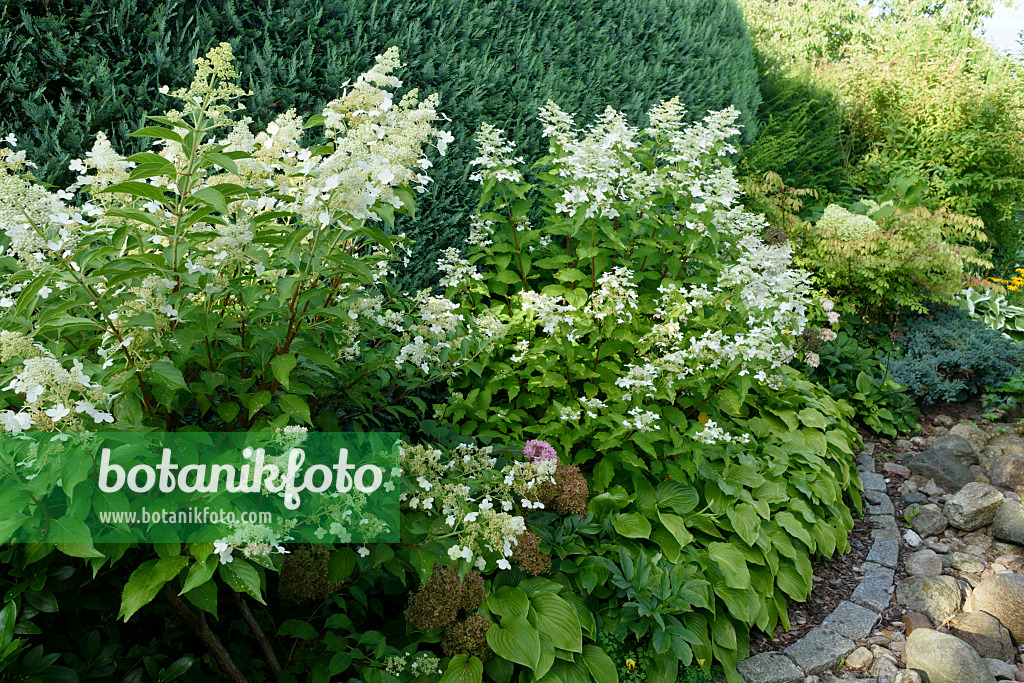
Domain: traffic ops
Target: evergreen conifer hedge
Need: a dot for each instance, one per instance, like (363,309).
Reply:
(70,68)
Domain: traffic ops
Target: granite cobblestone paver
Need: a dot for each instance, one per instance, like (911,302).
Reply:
(885,551)
(819,649)
(882,507)
(770,667)
(851,620)
(873,481)
(873,592)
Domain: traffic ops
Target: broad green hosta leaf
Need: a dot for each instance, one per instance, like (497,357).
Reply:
(600,665)
(557,619)
(509,601)
(732,564)
(632,525)
(463,669)
(516,640)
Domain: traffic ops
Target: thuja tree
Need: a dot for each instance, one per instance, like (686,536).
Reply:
(648,332)
(70,70)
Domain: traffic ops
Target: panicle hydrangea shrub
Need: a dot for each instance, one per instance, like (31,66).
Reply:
(228,278)
(232,279)
(647,327)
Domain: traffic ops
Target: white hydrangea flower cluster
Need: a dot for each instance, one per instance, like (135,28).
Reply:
(616,295)
(496,161)
(55,398)
(456,271)
(612,174)
(479,503)
(712,434)
(550,311)
(44,230)
(14,160)
(434,326)
(605,177)
(844,225)
(101,168)
(254,540)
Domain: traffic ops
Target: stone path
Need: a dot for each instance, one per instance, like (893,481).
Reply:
(958,613)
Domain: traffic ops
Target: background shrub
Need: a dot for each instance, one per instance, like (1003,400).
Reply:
(893,259)
(800,128)
(942,106)
(950,357)
(71,70)
(920,93)
(853,371)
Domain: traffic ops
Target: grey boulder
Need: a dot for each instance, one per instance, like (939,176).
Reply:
(1007,444)
(984,633)
(959,446)
(1008,524)
(963,562)
(942,465)
(973,506)
(923,563)
(942,658)
(929,520)
(1006,471)
(972,433)
(939,597)
(1001,670)
(1002,596)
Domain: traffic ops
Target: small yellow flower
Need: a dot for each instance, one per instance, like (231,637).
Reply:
(630,664)
(703,418)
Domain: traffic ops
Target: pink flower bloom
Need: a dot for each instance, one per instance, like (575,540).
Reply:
(539,451)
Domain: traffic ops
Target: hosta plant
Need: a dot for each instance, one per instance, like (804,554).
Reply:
(993,308)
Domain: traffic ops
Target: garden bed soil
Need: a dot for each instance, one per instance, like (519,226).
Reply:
(968,410)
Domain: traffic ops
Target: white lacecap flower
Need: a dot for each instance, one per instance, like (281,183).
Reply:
(224,550)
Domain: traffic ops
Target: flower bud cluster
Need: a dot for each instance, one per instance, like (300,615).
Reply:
(304,574)
(529,557)
(439,601)
(468,637)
